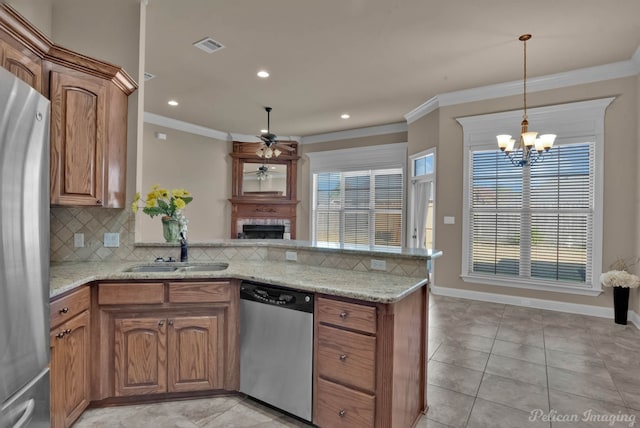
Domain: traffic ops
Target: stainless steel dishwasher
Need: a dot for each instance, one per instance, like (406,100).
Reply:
(276,347)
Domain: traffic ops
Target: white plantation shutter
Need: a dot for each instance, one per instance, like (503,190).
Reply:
(359,207)
(534,222)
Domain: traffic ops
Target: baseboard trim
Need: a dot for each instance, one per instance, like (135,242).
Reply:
(551,305)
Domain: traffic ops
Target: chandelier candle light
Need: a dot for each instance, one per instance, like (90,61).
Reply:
(530,148)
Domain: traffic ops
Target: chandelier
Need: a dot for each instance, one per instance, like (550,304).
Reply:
(530,148)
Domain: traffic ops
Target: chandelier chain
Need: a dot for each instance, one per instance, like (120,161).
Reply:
(524,96)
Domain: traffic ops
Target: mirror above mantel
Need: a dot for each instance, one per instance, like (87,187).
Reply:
(263,190)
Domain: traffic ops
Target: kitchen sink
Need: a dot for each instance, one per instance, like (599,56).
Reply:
(152,268)
(206,267)
(197,267)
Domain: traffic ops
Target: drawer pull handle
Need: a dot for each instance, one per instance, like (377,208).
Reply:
(341,413)
(343,357)
(64,310)
(60,335)
(160,323)
(67,331)
(343,314)
(170,322)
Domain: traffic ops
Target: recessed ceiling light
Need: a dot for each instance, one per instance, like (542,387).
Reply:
(345,116)
(273,167)
(264,131)
(263,73)
(172,103)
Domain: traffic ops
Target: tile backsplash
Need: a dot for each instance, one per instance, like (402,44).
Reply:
(94,222)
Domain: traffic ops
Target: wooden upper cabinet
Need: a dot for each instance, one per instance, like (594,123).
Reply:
(88,132)
(78,120)
(26,67)
(88,112)
(22,47)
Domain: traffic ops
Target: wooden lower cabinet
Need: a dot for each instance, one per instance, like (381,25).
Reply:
(370,366)
(70,370)
(165,353)
(140,354)
(195,353)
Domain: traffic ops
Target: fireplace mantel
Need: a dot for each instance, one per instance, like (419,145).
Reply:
(266,207)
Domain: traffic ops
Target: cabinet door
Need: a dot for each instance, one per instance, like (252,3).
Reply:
(78,120)
(140,356)
(22,66)
(195,352)
(70,372)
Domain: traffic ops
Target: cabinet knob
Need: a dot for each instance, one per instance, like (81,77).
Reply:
(160,323)
(343,357)
(60,335)
(64,310)
(170,322)
(342,412)
(98,201)
(344,314)
(67,331)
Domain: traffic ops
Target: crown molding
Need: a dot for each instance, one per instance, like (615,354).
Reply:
(581,76)
(391,128)
(180,125)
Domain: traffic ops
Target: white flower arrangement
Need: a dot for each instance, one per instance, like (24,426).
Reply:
(619,275)
(619,278)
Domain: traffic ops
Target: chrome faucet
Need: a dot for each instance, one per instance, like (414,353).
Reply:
(183,247)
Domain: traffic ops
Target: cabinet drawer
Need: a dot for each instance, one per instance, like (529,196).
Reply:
(348,315)
(199,292)
(131,293)
(341,407)
(65,308)
(347,357)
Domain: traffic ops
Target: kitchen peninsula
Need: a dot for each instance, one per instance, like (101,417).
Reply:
(370,327)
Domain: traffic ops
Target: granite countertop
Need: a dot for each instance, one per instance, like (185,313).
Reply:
(367,286)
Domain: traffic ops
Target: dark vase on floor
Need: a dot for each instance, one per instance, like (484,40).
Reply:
(621,304)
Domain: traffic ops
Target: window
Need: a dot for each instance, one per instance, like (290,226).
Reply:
(358,207)
(358,196)
(536,227)
(533,222)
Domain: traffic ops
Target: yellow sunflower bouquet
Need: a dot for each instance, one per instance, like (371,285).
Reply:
(163,202)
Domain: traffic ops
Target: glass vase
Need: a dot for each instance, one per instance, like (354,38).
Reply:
(170,229)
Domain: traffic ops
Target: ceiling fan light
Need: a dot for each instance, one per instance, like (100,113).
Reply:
(260,152)
(268,153)
(529,138)
(277,152)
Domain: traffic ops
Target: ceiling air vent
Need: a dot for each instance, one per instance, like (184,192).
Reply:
(148,76)
(208,45)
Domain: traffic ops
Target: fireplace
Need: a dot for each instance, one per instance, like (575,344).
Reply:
(263,231)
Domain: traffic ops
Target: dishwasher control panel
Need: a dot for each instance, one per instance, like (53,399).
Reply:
(277,296)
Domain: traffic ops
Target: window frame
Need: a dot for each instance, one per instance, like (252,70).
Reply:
(573,122)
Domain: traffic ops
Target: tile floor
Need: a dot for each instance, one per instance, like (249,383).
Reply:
(490,365)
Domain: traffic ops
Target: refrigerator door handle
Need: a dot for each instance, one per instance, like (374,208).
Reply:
(30,406)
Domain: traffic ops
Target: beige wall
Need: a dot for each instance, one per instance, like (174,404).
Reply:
(621,149)
(304,186)
(199,164)
(37,12)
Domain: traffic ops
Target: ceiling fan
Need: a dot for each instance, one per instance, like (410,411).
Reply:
(270,145)
(262,173)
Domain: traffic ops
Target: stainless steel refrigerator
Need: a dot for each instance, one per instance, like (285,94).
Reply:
(24,255)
